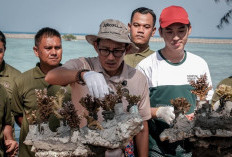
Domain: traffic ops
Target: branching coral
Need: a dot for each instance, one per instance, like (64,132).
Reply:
(48,105)
(92,123)
(201,87)
(132,100)
(109,102)
(45,105)
(31,117)
(58,102)
(91,104)
(181,106)
(68,112)
(224,91)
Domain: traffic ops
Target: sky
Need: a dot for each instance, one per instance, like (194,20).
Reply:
(85,16)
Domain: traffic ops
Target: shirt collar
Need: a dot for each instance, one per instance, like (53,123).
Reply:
(37,72)
(144,52)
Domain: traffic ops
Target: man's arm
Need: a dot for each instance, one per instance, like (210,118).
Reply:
(61,76)
(95,81)
(17,103)
(142,141)
(19,120)
(153,112)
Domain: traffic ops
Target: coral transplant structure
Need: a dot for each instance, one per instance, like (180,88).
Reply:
(93,105)
(210,131)
(115,131)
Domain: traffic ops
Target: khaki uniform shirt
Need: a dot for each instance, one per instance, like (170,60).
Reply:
(136,84)
(7,76)
(133,59)
(5,116)
(24,101)
(226,81)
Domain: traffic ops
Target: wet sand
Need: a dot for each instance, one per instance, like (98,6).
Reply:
(153,39)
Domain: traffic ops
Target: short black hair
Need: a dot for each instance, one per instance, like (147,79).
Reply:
(46,31)
(3,39)
(144,10)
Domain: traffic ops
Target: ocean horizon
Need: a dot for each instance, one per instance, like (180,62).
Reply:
(83,34)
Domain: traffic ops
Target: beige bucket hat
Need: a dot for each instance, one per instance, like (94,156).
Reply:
(113,30)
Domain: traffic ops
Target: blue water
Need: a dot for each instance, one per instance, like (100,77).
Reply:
(20,54)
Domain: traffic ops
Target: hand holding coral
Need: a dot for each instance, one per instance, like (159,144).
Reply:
(166,113)
(96,84)
(190,116)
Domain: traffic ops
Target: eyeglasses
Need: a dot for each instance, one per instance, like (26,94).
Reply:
(116,53)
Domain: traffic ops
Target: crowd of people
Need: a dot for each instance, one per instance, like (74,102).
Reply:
(123,55)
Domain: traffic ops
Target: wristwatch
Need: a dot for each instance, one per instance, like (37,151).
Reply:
(79,79)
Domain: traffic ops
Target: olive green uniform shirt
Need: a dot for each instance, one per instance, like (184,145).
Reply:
(24,101)
(226,81)
(5,117)
(133,59)
(7,76)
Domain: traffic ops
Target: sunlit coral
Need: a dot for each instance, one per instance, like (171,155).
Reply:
(201,87)
(181,105)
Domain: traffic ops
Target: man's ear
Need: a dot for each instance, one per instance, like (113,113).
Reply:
(95,45)
(129,26)
(189,30)
(35,49)
(128,47)
(160,32)
(153,31)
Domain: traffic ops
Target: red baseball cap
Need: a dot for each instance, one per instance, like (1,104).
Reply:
(173,14)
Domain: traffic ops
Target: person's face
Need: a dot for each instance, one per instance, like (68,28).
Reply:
(110,63)
(175,35)
(2,52)
(141,28)
(49,51)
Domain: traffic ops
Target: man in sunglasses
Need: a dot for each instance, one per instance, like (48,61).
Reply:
(99,75)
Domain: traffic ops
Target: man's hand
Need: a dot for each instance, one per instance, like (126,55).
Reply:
(190,116)
(12,147)
(166,113)
(114,153)
(96,84)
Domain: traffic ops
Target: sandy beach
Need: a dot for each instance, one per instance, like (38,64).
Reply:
(153,39)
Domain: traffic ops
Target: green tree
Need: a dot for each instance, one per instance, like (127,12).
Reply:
(226,18)
(69,37)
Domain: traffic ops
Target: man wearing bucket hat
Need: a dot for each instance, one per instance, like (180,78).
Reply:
(168,73)
(98,75)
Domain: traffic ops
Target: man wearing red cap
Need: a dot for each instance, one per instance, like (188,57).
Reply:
(168,72)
